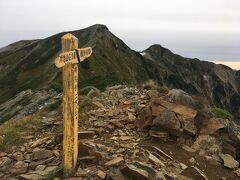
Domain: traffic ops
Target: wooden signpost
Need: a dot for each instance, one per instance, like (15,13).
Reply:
(69,58)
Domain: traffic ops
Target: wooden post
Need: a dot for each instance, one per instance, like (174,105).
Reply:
(68,60)
(70,109)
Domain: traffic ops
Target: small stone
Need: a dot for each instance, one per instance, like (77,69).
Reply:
(192,160)
(183,166)
(124,138)
(229,161)
(82,172)
(23,149)
(39,142)
(156,160)
(134,172)
(161,152)
(94,93)
(101,174)
(168,122)
(5,163)
(159,135)
(19,168)
(121,150)
(51,169)
(117,124)
(131,116)
(237,172)
(127,102)
(114,138)
(40,167)
(212,161)
(157,109)
(144,118)
(18,156)
(32,165)
(190,128)
(159,176)
(27,156)
(56,153)
(115,162)
(188,149)
(89,159)
(75,178)
(30,177)
(2,154)
(41,154)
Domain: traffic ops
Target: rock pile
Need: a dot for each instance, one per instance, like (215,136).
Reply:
(37,159)
(170,117)
(26,103)
(128,133)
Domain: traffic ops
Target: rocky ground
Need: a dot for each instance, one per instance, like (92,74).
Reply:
(131,133)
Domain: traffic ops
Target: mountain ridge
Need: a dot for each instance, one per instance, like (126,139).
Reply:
(29,64)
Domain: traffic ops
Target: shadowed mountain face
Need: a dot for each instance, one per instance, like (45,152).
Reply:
(217,82)
(30,65)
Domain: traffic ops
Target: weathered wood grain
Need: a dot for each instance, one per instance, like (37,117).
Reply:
(70,57)
(70,109)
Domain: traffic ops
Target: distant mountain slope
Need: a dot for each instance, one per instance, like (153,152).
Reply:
(218,82)
(30,65)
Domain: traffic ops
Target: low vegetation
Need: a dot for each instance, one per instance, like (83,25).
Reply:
(14,131)
(221,113)
(152,85)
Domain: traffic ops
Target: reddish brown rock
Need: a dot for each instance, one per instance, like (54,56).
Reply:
(18,168)
(168,121)
(186,112)
(114,162)
(212,125)
(134,172)
(157,109)
(144,118)
(153,94)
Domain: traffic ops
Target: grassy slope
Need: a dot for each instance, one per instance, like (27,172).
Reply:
(31,65)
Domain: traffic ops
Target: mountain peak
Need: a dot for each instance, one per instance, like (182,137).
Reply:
(99,26)
(157,50)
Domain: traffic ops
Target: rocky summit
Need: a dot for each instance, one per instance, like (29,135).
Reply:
(29,64)
(125,132)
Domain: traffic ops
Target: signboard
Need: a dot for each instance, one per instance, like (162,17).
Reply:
(72,57)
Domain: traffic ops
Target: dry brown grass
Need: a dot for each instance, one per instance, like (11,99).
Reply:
(150,85)
(14,131)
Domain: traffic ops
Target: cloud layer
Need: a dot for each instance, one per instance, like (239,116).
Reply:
(203,29)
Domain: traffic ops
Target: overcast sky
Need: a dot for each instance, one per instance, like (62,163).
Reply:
(205,29)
